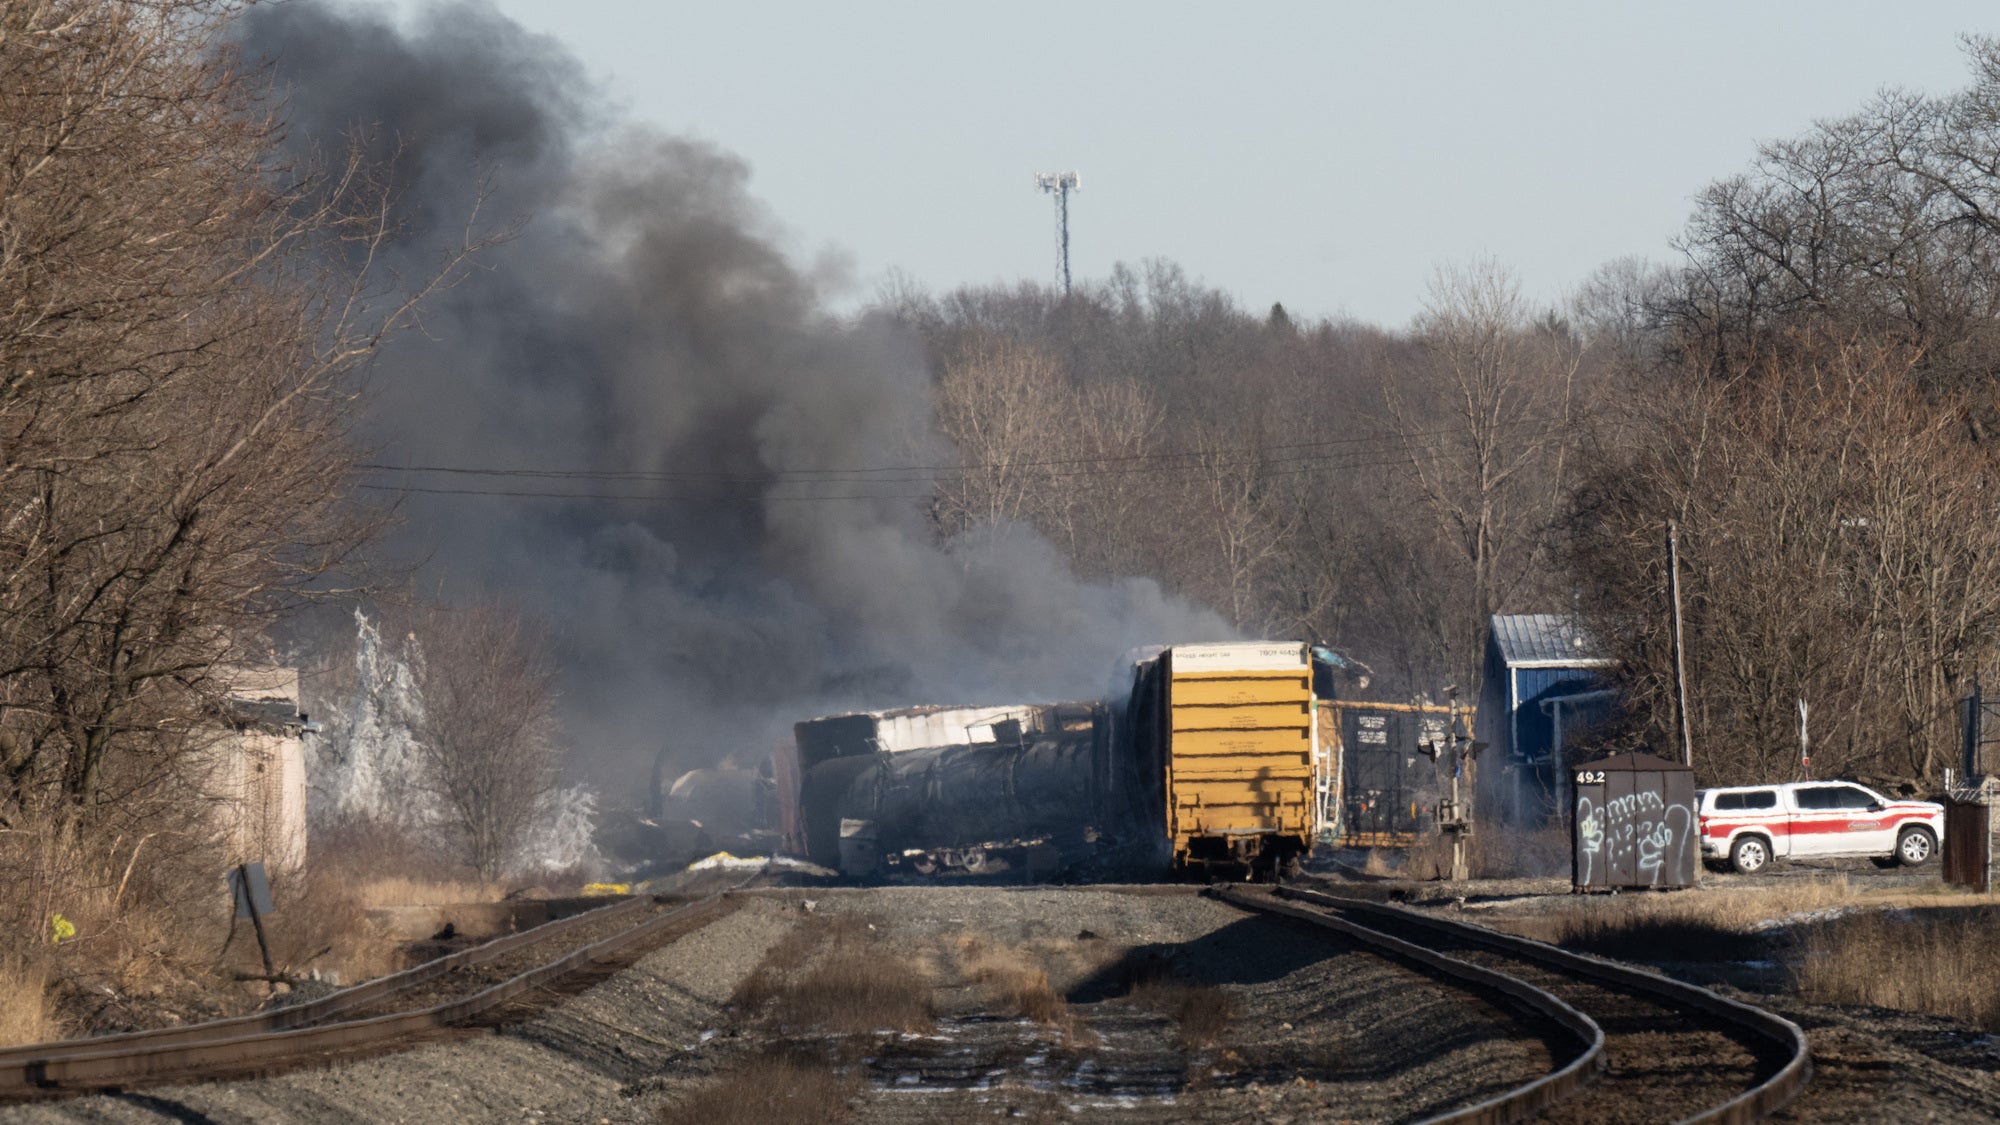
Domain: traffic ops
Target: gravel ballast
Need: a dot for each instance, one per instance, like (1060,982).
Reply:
(1317,1029)
(577,1062)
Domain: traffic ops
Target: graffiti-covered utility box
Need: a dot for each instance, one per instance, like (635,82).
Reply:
(1632,823)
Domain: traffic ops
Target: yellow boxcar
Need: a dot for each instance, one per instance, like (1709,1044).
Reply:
(1242,754)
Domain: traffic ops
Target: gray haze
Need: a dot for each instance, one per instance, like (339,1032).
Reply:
(644,322)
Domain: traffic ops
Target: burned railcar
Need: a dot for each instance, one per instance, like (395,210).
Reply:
(1219,759)
(968,789)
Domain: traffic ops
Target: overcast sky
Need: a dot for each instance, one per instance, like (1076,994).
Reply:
(1326,155)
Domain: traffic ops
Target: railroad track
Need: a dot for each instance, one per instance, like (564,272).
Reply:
(450,991)
(1647,1048)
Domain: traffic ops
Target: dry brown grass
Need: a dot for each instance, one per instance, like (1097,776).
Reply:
(397,890)
(151,913)
(1015,978)
(323,926)
(854,993)
(1690,925)
(829,978)
(1202,1013)
(355,868)
(148,912)
(983,959)
(27,1012)
(771,1089)
(1942,961)
(1031,995)
(384,866)
(1498,851)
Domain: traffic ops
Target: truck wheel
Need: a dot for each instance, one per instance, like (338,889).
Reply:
(1915,847)
(1750,854)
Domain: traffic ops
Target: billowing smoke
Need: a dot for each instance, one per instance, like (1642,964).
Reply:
(645,328)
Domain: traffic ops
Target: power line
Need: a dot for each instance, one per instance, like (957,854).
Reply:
(1313,468)
(922,473)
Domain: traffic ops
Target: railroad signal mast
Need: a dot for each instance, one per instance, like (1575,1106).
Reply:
(1455,747)
(1060,184)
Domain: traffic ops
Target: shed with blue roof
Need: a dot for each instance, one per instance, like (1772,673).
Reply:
(1545,679)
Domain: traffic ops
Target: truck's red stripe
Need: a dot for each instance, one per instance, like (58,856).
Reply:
(1800,826)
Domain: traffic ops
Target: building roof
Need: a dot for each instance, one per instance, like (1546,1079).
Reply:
(275,715)
(1544,640)
(1636,762)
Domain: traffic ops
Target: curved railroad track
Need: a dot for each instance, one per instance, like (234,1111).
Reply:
(1662,1050)
(450,991)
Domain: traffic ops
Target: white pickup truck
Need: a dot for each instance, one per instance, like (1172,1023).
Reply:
(1751,825)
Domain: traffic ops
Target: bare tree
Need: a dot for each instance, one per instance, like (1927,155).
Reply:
(1838,547)
(486,730)
(177,364)
(1148,426)
(1885,222)
(1038,448)
(1485,420)
(1002,404)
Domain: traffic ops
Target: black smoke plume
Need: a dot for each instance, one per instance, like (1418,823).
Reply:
(646,321)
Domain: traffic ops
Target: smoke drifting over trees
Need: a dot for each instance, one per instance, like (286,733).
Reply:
(1082,473)
(645,327)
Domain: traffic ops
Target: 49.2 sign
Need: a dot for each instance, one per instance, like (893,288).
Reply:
(1590,777)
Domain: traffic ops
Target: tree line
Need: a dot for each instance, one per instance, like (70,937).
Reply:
(1808,395)
(185,316)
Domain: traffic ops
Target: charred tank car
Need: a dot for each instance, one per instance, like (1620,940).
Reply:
(931,790)
(1217,761)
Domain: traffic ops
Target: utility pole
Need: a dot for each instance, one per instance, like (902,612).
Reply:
(1680,649)
(1060,184)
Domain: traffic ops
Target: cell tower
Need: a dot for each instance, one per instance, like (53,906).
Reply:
(1060,184)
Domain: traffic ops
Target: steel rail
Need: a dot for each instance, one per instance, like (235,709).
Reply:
(332,1004)
(1755,1104)
(1517,1104)
(88,1064)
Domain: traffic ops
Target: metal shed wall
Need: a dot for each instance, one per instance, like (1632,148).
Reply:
(1633,823)
(1534,730)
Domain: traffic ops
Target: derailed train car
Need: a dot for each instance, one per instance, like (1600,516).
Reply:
(1220,758)
(933,789)
(1230,735)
